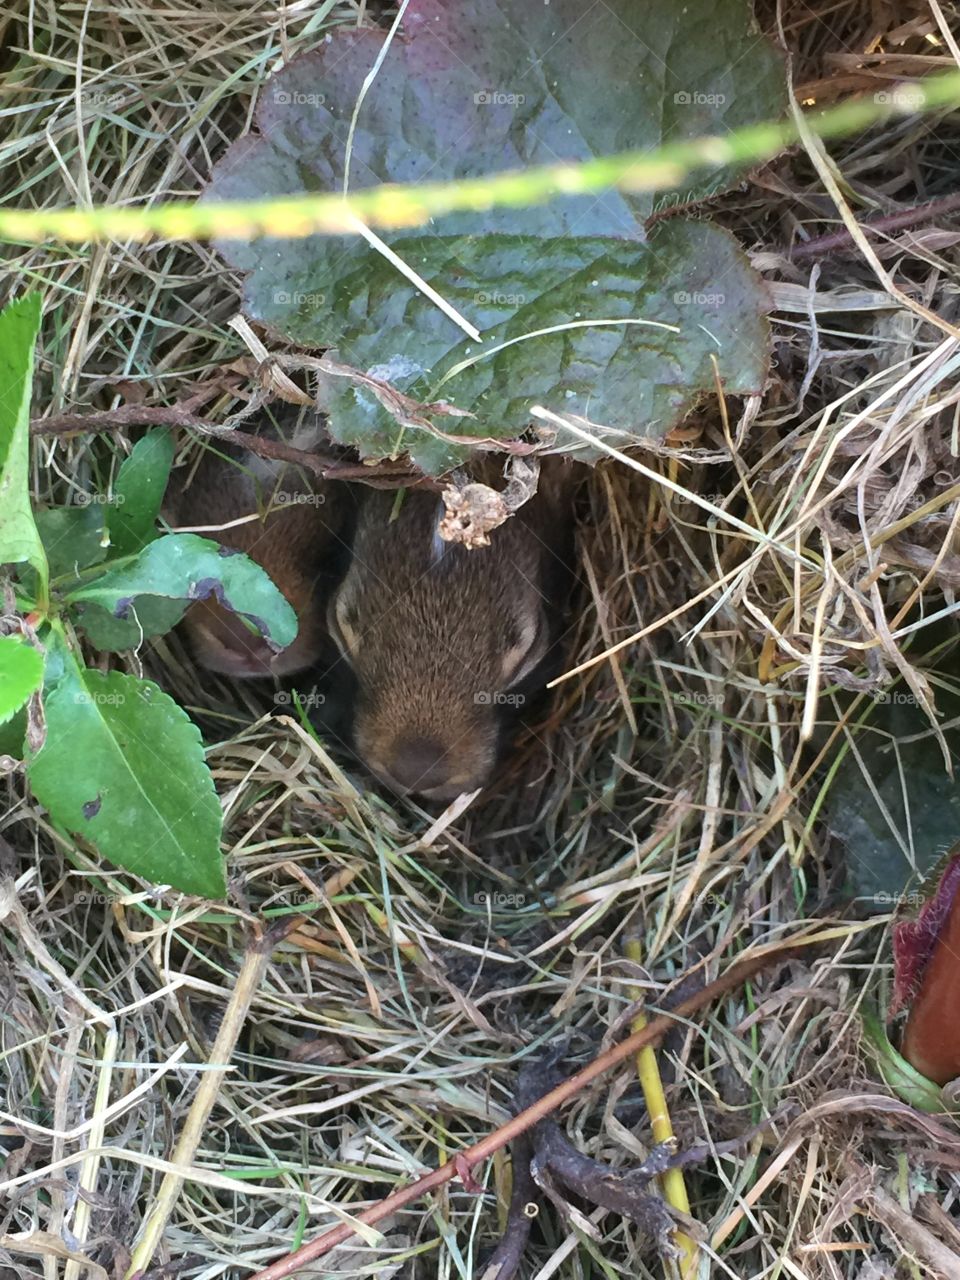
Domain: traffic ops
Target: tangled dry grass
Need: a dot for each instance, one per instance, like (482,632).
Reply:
(679,793)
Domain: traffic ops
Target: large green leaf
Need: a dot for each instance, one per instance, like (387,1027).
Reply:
(19,540)
(122,765)
(503,84)
(146,596)
(21,673)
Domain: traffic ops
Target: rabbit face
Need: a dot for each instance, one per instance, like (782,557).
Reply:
(445,643)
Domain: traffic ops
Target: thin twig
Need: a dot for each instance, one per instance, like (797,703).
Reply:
(386,475)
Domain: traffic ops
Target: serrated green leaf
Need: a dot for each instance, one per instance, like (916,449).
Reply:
(19,540)
(183,567)
(138,493)
(123,766)
(21,674)
(512,84)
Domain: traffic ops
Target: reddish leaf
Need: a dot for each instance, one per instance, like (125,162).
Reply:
(927,977)
(914,940)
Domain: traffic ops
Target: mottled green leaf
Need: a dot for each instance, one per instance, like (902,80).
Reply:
(147,616)
(12,734)
(467,92)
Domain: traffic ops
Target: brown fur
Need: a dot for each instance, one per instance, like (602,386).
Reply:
(446,642)
(293,539)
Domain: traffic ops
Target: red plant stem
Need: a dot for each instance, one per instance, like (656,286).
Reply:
(466,1160)
(890,222)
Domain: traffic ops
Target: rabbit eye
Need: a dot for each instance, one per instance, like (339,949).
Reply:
(528,649)
(343,627)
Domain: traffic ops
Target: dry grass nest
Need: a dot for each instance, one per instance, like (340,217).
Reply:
(675,794)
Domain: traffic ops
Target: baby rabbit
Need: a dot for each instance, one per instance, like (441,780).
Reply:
(295,536)
(448,643)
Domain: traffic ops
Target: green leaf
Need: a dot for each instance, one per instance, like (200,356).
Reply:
(75,537)
(147,616)
(138,493)
(21,674)
(12,734)
(459,96)
(19,540)
(72,537)
(183,567)
(123,766)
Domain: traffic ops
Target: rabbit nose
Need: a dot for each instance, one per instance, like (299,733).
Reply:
(419,764)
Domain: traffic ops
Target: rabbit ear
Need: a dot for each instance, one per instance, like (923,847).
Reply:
(340,620)
(531,648)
